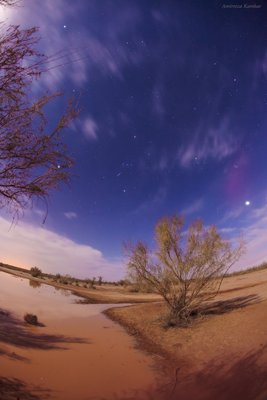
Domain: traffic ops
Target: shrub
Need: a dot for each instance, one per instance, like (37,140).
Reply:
(35,271)
(185,270)
(31,319)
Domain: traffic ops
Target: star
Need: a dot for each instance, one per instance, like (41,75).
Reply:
(65,26)
(247,203)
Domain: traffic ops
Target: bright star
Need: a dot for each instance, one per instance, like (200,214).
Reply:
(247,203)
(65,26)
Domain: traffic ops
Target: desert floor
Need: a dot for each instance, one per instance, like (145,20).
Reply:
(223,355)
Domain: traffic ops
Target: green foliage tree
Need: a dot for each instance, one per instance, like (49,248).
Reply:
(186,269)
(33,159)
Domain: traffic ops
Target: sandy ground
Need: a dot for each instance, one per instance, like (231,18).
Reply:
(223,355)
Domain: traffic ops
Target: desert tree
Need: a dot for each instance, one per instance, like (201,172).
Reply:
(136,282)
(33,158)
(187,268)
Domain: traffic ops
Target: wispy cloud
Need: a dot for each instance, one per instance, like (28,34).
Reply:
(154,202)
(193,208)
(158,108)
(89,128)
(254,232)
(233,214)
(264,65)
(27,245)
(77,51)
(227,230)
(215,143)
(70,215)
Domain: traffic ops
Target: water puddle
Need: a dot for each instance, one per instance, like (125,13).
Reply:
(79,354)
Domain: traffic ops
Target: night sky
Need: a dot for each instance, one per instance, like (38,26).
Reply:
(173,99)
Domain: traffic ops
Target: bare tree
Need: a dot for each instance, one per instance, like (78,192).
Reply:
(186,269)
(8,2)
(33,159)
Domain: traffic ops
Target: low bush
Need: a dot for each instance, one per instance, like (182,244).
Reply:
(32,319)
(35,271)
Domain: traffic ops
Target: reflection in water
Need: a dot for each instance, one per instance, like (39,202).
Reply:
(93,354)
(34,284)
(13,356)
(13,331)
(64,292)
(15,389)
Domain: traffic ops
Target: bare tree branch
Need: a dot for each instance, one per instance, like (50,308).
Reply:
(33,160)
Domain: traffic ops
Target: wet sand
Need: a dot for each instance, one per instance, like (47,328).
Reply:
(222,356)
(79,354)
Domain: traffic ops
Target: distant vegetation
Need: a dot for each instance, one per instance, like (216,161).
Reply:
(66,279)
(131,284)
(248,270)
(35,272)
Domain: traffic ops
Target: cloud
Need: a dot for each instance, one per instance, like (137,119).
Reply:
(89,128)
(234,214)
(254,233)
(193,208)
(264,65)
(227,230)
(157,101)
(153,203)
(216,143)
(70,215)
(27,245)
(78,51)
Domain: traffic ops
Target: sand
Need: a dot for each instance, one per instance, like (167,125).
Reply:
(221,356)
